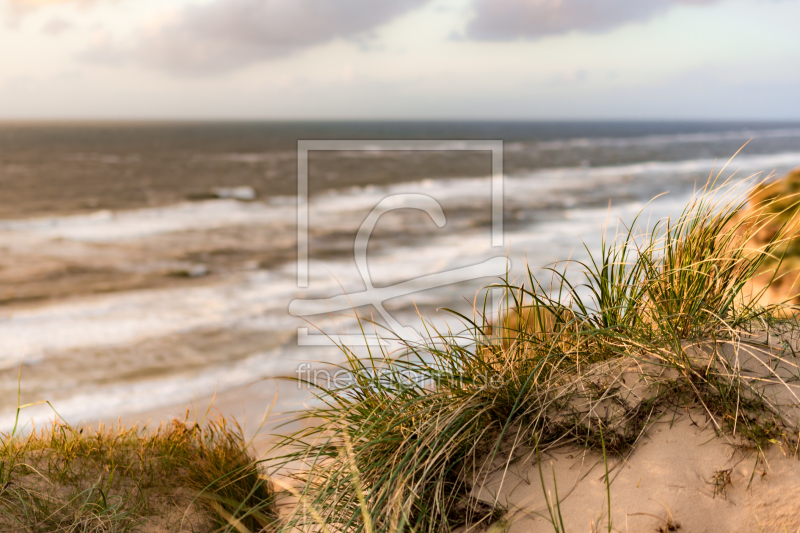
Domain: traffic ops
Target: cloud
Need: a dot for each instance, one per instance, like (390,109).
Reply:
(20,8)
(228,34)
(27,5)
(46,2)
(504,20)
(56,26)
(35,3)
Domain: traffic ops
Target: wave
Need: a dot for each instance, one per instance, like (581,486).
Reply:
(110,226)
(329,208)
(258,300)
(660,140)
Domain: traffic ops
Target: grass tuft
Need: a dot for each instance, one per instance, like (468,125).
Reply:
(179,477)
(412,440)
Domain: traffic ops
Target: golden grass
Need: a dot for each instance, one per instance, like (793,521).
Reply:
(778,200)
(178,477)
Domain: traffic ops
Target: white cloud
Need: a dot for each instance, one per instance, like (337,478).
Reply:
(227,34)
(16,10)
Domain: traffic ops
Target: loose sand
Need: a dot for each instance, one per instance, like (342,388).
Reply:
(681,475)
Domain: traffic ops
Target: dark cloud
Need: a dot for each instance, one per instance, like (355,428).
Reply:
(228,34)
(503,20)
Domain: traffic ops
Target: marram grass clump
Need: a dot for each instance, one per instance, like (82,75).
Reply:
(408,444)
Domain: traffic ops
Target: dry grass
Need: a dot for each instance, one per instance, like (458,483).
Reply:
(179,477)
(778,199)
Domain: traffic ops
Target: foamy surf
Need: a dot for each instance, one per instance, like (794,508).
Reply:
(548,184)
(258,301)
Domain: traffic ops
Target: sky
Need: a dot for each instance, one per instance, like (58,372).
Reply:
(400,59)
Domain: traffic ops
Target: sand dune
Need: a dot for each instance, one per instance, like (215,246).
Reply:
(681,473)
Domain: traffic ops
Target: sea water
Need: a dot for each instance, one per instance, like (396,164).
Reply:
(126,285)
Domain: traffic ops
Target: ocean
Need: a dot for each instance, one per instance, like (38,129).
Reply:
(145,264)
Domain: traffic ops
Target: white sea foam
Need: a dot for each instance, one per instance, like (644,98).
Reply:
(662,140)
(119,399)
(124,318)
(107,226)
(118,319)
(259,300)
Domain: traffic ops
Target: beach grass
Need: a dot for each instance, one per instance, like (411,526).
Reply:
(410,439)
(409,442)
(177,477)
(779,197)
